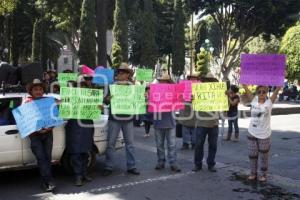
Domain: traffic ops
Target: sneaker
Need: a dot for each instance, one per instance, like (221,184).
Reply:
(48,186)
(197,168)
(185,146)
(146,135)
(159,166)
(107,172)
(78,181)
(175,168)
(212,169)
(133,171)
(87,178)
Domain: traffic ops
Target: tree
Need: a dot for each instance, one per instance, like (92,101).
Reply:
(7,6)
(263,45)
(178,40)
(87,45)
(290,46)
(202,64)
(117,58)
(120,29)
(241,20)
(101,19)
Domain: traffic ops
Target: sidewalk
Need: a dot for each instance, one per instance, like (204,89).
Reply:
(279,108)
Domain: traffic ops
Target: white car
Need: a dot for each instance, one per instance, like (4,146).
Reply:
(15,153)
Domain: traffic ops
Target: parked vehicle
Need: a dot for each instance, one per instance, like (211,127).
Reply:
(15,153)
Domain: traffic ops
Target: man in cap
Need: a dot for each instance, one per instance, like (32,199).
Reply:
(118,122)
(42,140)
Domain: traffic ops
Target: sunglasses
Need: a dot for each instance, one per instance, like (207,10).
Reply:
(261,92)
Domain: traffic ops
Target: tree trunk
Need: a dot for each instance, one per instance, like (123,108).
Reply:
(101,25)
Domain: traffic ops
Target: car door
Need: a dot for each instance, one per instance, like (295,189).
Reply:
(10,140)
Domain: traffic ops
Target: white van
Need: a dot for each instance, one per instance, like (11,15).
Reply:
(15,153)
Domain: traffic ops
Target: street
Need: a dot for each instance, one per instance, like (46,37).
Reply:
(228,183)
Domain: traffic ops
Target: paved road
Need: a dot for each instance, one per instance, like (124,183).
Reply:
(228,183)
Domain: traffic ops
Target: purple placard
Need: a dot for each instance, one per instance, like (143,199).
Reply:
(263,69)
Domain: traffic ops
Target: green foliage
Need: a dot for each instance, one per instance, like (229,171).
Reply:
(202,63)
(7,6)
(261,45)
(178,40)
(36,42)
(120,28)
(87,46)
(291,47)
(117,58)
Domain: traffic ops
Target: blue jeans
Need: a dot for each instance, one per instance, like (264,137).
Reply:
(114,128)
(188,135)
(160,136)
(233,121)
(79,163)
(41,147)
(212,134)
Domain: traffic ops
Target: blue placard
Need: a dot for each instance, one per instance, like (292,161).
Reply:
(35,115)
(103,76)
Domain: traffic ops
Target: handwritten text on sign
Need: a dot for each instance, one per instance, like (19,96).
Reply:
(209,97)
(128,99)
(164,98)
(35,115)
(80,103)
(263,69)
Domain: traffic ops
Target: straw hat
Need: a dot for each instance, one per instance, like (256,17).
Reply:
(165,77)
(36,82)
(126,68)
(193,75)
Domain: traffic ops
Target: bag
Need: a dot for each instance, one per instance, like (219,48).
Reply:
(178,130)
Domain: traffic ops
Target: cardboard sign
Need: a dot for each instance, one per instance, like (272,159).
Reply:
(263,69)
(80,103)
(185,87)
(103,76)
(164,98)
(63,78)
(209,97)
(128,99)
(86,70)
(144,75)
(36,115)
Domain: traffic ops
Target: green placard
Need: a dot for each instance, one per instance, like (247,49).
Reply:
(144,75)
(63,78)
(80,103)
(128,99)
(209,97)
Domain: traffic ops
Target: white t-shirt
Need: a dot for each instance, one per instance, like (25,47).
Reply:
(260,124)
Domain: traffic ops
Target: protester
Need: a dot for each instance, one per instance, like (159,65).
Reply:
(164,129)
(42,140)
(148,117)
(79,142)
(259,138)
(187,119)
(119,122)
(207,125)
(232,114)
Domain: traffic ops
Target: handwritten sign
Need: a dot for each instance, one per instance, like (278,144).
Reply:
(63,78)
(263,69)
(209,97)
(144,75)
(128,99)
(185,87)
(103,76)
(38,114)
(164,98)
(80,103)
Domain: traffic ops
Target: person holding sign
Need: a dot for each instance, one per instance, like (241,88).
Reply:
(259,138)
(207,125)
(79,142)
(118,122)
(42,140)
(164,130)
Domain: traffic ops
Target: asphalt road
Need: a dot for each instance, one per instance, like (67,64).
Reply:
(228,183)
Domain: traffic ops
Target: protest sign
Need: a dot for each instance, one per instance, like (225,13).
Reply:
(144,75)
(35,115)
(80,103)
(86,70)
(63,78)
(164,98)
(209,97)
(185,88)
(263,69)
(128,99)
(103,76)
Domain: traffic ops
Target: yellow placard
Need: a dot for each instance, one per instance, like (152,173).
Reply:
(208,97)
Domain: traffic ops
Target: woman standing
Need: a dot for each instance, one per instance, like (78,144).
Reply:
(259,138)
